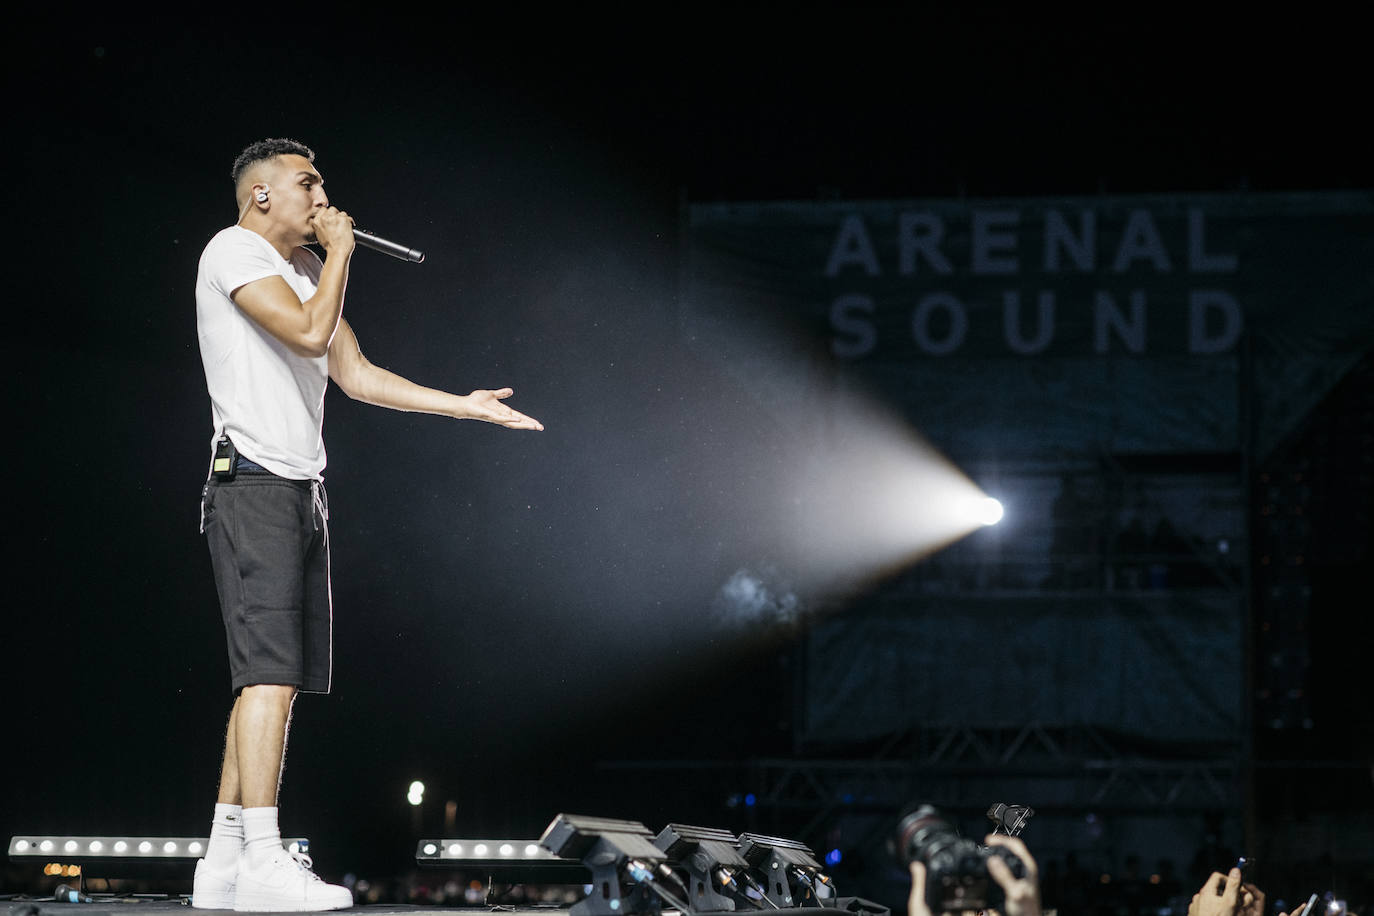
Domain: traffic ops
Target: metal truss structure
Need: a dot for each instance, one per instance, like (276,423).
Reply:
(1067,769)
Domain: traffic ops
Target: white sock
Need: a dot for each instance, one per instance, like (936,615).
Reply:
(261,835)
(226,837)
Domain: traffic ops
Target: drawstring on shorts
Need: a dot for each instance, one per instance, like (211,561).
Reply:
(319,503)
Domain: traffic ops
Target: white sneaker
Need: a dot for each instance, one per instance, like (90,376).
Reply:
(213,889)
(285,883)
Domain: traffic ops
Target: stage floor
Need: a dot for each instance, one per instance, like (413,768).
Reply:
(127,906)
(138,906)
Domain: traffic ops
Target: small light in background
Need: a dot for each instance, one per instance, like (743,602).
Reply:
(416,794)
(987,511)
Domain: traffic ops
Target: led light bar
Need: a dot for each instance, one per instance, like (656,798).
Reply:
(519,861)
(30,847)
(483,851)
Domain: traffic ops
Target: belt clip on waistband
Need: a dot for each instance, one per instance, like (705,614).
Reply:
(226,457)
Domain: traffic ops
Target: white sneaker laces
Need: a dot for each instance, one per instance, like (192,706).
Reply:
(305,864)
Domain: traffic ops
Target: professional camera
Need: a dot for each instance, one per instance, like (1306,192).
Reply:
(956,868)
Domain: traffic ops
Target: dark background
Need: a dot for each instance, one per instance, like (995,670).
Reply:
(512,608)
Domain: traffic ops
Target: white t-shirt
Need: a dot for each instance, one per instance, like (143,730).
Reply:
(267,399)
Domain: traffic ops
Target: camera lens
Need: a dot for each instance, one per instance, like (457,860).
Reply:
(956,868)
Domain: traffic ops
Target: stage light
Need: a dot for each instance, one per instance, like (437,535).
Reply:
(416,793)
(517,861)
(452,851)
(787,869)
(615,851)
(977,509)
(111,849)
(989,511)
(714,868)
(834,857)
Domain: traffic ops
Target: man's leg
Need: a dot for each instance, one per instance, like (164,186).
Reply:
(216,873)
(257,726)
(269,879)
(257,737)
(229,792)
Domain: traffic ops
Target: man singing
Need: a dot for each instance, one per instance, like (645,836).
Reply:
(269,316)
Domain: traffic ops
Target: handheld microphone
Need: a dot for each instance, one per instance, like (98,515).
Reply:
(66,894)
(395,249)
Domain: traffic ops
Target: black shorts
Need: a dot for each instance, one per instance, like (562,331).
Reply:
(269,545)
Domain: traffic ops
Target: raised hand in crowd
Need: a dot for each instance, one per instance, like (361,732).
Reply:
(1221,895)
(1022,894)
(1251,900)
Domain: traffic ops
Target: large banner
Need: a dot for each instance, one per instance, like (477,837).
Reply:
(1119,324)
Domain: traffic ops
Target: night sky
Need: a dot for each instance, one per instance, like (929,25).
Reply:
(510,607)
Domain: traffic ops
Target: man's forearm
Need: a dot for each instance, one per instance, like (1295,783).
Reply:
(378,386)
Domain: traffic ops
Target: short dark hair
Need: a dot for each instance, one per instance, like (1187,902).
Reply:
(268,149)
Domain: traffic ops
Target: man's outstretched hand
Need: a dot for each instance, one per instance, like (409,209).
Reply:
(485,404)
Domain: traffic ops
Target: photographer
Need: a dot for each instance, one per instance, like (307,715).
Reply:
(1022,894)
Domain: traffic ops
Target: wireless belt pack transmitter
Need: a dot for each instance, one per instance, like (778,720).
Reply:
(226,457)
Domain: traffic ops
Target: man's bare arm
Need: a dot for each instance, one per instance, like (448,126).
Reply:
(306,328)
(363,381)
